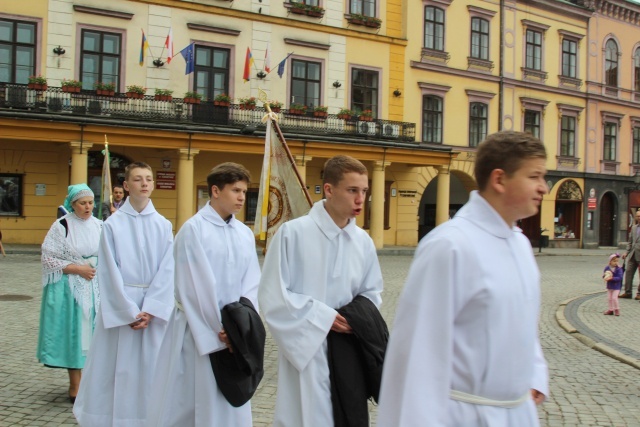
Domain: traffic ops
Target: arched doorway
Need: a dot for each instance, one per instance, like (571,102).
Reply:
(95,160)
(458,196)
(568,214)
(607,220)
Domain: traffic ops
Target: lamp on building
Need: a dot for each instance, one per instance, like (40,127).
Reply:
(636,182)
(397,93)
(59,50)
(261,75)
(337,84)
(158,62)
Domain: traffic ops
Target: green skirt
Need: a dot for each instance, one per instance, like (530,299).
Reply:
(60,337)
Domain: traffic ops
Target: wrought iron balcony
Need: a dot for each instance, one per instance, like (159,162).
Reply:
(120,108)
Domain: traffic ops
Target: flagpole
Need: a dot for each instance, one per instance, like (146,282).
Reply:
(289,155)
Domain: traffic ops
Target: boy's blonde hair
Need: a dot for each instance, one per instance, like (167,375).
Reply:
(135,165)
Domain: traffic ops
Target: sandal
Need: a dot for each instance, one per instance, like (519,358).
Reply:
(608,313)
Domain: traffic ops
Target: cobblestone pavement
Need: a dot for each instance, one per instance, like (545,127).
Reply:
(588,388)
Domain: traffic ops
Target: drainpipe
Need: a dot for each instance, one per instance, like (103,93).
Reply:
(501,66)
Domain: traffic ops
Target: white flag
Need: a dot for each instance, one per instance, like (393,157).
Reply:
(267,60)
(281,196)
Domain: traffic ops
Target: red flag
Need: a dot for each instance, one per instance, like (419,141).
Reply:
(168,43)
(248,63)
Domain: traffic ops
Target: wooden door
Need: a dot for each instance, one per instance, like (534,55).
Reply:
(607,207)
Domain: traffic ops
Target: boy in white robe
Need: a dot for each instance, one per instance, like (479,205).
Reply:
(316,264)
(136,287)
(464,349)
(216,264)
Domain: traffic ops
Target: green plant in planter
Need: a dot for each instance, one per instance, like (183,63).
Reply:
(110,87)
(321,109)
(71,83)
(223,97)
(39,80)
(195,95)
(345,113)
(164,92)
(137,89)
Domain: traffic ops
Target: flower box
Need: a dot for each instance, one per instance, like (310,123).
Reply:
(344,116)
(365,118)
(275,109)
(164,98)
(71,89)
(221,103)
(322,114)
(104,92)
(191,100)
(37,86)
(135,95)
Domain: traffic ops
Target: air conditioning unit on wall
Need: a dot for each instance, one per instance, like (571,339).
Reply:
(366,128)
(391,131)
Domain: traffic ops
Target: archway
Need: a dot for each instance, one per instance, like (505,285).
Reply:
(460,187)
(568,212)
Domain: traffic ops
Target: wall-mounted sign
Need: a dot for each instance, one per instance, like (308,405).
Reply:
(41,189)
(165,180)
(408,193)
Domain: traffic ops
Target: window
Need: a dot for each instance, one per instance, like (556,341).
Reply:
(636,70)
(363,7)
(432,119)
(477,123)
(636,146)
(364,90)
(308,2)
(569,55)
(305,83)
(17,51)
(532,122)
(433,28)
(534,50)
(480,38)
(610,133)
(568,136)
(211,72)
(10,195)
(251,205)
(611,64)
(100,58)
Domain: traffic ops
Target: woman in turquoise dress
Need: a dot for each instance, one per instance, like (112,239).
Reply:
(70,296)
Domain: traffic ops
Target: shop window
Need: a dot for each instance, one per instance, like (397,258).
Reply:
(568,211)
(11,195)
(251,205)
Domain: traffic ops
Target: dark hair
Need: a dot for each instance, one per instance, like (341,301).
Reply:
(505,150)
(337,166)
(227,173)
(135,165)
(118,186)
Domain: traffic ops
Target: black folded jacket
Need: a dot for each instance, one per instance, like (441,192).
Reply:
(239,373)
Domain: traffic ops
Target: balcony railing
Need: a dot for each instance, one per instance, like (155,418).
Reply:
(121,108)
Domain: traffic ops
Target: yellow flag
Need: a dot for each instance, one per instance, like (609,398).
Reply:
(281,196)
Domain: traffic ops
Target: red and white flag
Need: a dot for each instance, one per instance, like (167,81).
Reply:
(267,60)
(168,44)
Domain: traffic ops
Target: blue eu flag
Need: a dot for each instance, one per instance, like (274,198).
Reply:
(187,54)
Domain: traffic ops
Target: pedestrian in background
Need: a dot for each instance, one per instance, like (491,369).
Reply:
(109,207)
(2,247)
(465,347)
(612,275)
(633,261)
(70,294)
(136,275)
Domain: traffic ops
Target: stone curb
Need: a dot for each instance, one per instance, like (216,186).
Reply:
(588,341)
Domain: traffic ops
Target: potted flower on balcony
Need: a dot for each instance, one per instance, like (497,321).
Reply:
(345,114)
(192,97)
(366,116)
(136,92)
(163,95)
(297,109)
(320,111)
(105,89)
(222,100)
(71,86)
(373,22)
(306,9)
(248,103)
(275,106)
(38,82)
(356,19)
